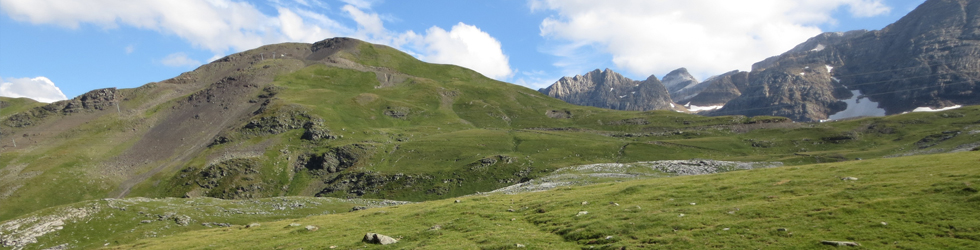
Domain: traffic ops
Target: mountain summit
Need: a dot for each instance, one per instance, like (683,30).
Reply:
(608,89)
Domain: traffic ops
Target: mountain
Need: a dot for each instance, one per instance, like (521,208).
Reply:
(719,90)
(348,119)
(338,118)
(929,58)
(682,85)
(608,89)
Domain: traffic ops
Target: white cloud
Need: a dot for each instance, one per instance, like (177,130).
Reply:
(467,46)
(360,4)
(179,59)
(39,88)
(706,36)
(215,25)
(223,26)
(129,49)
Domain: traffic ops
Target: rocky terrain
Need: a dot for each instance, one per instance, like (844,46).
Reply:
(608,89)
(608,172)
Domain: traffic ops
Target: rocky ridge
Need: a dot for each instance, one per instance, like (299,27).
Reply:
(608,89)
(929,58)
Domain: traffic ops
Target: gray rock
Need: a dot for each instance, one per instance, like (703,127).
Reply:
(840,243)
(58,247)
(678,80)
(718,90)
(608,89)
(374,238)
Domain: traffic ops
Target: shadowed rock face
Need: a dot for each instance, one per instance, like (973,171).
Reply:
(608,89)
(929,58)
(682,85)
(720,89)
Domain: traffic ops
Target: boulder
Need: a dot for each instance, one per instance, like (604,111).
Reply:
(374,238)
(840,243)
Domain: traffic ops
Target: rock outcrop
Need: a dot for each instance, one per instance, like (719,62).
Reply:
(608,89)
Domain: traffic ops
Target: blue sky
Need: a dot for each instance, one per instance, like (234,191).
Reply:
(56,49)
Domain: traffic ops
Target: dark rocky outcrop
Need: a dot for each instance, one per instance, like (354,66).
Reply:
(95,100)
(608,89)
(230,179)
(337,159)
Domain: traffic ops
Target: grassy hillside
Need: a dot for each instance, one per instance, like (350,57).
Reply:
(91,224)
(918,202)
(369,121)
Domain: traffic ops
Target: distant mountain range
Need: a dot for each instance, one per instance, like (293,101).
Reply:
(928,59)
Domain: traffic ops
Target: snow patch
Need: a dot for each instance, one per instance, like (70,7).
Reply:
(857,106)
(819,47)
(928,109)
(611,89)
(835,79)
(829,68)
(671,105)
(802,73)
(622,96)
(696,108)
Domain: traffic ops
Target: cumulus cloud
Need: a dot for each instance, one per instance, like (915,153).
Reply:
(223,26)
(467,46)
(179,59)
(39,88)
(706,36)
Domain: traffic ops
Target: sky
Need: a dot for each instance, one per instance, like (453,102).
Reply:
(52,50)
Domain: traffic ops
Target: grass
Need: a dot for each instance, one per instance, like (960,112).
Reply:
(453,119)
(96,223)
(917,202)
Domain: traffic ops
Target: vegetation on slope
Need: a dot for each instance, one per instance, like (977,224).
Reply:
(916,202)
(370,121)
(105,222)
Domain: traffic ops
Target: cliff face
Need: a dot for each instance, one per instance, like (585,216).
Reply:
(608,89)
(929,58)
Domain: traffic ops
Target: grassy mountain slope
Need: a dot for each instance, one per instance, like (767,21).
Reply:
(915,202)
(344,118)
(96,223)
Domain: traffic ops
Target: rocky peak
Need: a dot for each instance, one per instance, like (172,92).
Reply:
(720,89)
(678,79)
(608,89)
